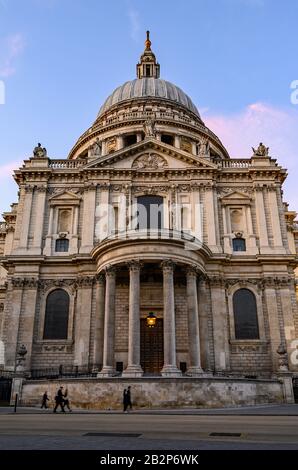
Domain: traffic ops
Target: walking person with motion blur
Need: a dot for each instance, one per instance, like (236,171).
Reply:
(59,400)
(128,394)
(66,401)
(44,400)
(125,401)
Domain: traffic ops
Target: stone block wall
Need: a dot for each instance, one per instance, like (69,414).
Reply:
(106,394)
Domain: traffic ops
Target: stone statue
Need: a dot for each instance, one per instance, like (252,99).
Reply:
(95,148)
(261,151)
(149,128)
(39,151)
(203,148)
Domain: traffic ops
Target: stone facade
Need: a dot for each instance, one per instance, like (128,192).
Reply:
(106,394)
(149,141)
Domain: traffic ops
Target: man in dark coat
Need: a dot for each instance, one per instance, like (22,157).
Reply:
(125,402)
(59,400)
(44,400)
(128,394)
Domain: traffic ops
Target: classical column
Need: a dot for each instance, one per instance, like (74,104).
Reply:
(103,148)
(286,287)
(177,141)
(194,148)
(273,321)
(120,142)
(169,368)
(220,326)
(261,219)
(74,231)
(83,321)
(211,221)
(97,357)
(275,218)
(41,192)
(28,199)
(48,244)
(108,368)
(204,306)
(12,312)
(27,318)
(193,323)
(88,219)
(226,236)
(134,368)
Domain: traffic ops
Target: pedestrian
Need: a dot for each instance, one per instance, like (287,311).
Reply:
(125,401)
(66,400)
(128,393)
(59,400)
(44,400)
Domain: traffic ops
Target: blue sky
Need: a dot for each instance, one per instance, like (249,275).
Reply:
(60,59)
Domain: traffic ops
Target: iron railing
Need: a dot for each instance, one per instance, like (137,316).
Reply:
(63,372)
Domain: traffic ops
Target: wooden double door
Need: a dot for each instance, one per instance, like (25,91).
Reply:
(152,356)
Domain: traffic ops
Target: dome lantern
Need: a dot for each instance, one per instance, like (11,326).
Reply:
(148,67)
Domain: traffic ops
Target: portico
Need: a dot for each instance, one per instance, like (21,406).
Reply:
(134,269)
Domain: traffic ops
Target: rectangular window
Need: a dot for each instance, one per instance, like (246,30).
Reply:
(62,245)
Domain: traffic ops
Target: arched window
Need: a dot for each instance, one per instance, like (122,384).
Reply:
(245,315)
(56,318)
(239,244)
(62,245)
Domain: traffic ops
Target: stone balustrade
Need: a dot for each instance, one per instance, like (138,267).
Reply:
(67,164)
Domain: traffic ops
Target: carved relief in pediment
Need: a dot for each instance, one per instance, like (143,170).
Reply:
(149,161)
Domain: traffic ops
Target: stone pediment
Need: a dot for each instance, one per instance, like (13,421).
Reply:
(150,154)
(236,197)
(65,197)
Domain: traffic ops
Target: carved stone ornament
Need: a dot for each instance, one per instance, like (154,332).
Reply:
(149,161)
(150,189)
(111,144)
(185,144)
(85,281)
(45,284)
(167,266)
(134,265)
(238,234)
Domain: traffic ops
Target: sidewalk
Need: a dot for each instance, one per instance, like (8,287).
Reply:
(259,410)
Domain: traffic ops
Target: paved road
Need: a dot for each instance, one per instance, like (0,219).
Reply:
(264,428)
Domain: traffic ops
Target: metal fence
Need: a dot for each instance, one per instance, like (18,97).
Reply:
(62,372)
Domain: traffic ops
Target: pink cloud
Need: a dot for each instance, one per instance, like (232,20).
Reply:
(6,171)
(12,46)
(260,122)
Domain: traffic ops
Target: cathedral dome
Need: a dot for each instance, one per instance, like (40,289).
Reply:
(121,119)
(148,87)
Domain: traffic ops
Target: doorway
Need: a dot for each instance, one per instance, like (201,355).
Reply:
(152,357)
(5,390)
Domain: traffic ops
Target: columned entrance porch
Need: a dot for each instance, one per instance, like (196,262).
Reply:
(158,345)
